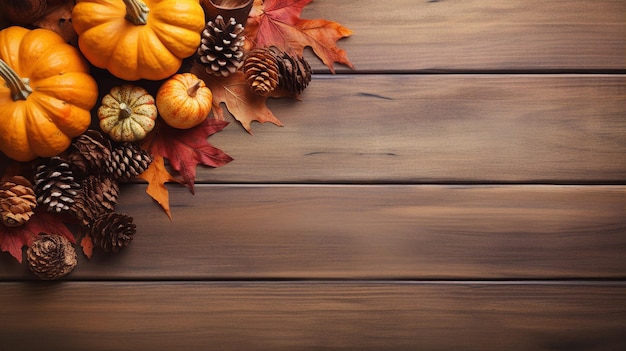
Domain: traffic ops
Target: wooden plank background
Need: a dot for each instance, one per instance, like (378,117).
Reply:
(463,188)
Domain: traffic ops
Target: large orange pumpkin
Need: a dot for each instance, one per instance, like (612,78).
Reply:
(138,39)
(46,93)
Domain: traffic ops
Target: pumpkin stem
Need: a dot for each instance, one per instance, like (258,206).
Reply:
(125,111)
(136,12)
(19,87)
(193,90)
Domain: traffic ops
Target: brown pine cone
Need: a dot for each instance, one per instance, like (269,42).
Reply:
(90,153)
(55,186)
(294,72)
(17,201)
(97,196)
(128,161)
(112,231)
(51,256)
(261,70)
(221,48)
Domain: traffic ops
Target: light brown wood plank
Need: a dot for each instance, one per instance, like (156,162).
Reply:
(478,34)
(312,316)
(431,128)
(368,232)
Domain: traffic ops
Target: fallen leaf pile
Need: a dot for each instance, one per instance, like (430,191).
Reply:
(166,154)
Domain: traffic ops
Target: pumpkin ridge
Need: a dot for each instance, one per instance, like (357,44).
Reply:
(99,13)
(71,87)
(35,47)
(178,41)
(44,137)
(13,128)
(57,61)
(92,39)
(10,41)
(66,117)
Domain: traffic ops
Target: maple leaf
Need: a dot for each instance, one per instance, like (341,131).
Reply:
(278,23)
(187,148)
(157,175)
(242,103)
(12,240)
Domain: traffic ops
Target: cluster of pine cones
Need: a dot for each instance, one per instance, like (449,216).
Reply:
(83,183)
(265,69)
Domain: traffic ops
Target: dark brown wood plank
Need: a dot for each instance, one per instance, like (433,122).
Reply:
(452,128)
(312,316)
(368,232)
(478,34)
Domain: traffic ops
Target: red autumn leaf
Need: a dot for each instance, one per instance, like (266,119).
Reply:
(278,23)
(156,175)
(12,240)
(185,149)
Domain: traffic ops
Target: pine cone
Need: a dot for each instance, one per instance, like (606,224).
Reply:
(261,70)
(128,161)
(17,201)
(97,196)
(221,48)
(90,153)
(112,231)
(51,256)
(55,186)
(294,72)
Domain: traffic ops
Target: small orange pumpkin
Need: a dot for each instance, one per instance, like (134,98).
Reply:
(46,93)
(184,101)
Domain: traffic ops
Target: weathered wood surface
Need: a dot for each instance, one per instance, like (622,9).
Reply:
(488,213)
(531,35)
(313,316)
(369,232)
(441,128)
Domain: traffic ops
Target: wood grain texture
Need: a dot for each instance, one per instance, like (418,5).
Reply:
(399,208)
(408,35)
(313,316)
(450,128)
(369,232)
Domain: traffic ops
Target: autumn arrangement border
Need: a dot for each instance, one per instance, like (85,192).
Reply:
(244,52)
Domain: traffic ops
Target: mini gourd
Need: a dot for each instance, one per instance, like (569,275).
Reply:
(127,113)
(138,39)
(184,101)
(46,93)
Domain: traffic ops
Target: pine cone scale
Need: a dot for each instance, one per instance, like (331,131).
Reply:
(51,256)
(17,201)
(55,186)
(221,47)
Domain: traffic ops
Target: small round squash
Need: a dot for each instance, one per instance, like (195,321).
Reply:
(184,101)
(127,113)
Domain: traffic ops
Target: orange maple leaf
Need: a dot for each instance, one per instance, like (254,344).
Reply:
(185,149)
(278,23)
(87,244)
(234,92)
(157,175)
